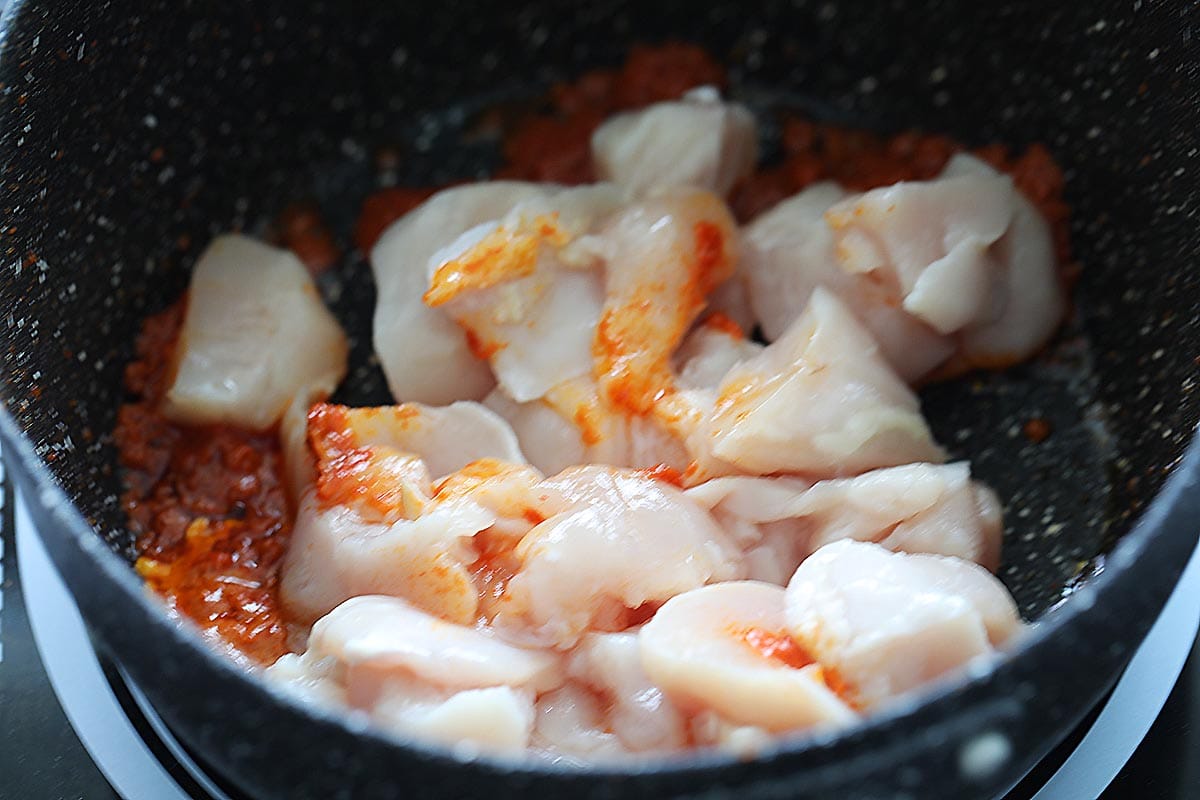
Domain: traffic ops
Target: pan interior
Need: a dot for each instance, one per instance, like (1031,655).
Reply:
(112,192)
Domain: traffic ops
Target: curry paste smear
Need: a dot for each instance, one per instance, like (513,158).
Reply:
(208,505)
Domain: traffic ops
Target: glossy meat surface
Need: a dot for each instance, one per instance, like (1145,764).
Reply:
(628,414)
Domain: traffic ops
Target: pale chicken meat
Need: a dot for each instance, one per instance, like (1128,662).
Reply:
(665,255)
(732,300)
(948,274)
(527,288)
(888,623)
(915,508)
(819,401)
(424,354)
(255,337)
(335,555)
(576,569)
(617,438)
(496,720)
(506,488)
(789,252)
(571,537)
(639,713)
(445,438)
(930,242)
(542,339)
(701,363)
(373,521)
(420,675)
(1030,285)
(299,461)
(571,728)
(377,461)
(708,353)
(374,636)
(573,425)
(726,648)
(695,141)
(550,440)
(710,729)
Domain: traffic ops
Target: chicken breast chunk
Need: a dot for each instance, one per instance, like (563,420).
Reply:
(888,623)
(255,337)
(576,567)
(424,354)
(915,508)
(818,401)
(696,141)
(947,274)
(420,676)
(726,647)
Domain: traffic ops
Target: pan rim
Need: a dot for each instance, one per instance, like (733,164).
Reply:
(70,538)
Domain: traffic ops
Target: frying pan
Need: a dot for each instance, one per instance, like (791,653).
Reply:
(132,135)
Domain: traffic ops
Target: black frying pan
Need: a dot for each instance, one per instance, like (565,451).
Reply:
(131,136)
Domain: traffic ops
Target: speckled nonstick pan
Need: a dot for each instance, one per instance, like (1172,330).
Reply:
(133,132)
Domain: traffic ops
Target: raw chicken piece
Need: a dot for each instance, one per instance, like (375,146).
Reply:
(255,337)
(420,676)
(573,426)
(497,719)
(708,353)
(929,241)
(789,252)
(313,682)
(526,288)
(818,401)
(424,354)
(502,487)
(549,440)
(1033,296)
(602,431)
(696,141)
(666,254)
(375,637)
(299,461)
(570,728)
(547,338)
(752,512)
(887,622)
(373,522)
(639,713)
(611,540)
(335,554)
(957,272)
(376,461)
(725,647)
(681,417)
(710,729)
(913,349)
(445,439)
(732,299)
(987,274)
(915,508)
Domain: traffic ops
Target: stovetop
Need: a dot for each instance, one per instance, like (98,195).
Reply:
(73,726)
